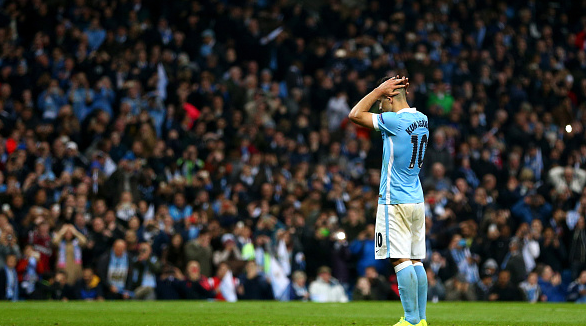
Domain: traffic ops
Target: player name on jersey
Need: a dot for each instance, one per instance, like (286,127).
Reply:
(415,125)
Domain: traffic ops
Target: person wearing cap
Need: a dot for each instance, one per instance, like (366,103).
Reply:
(230,253)
(325,288)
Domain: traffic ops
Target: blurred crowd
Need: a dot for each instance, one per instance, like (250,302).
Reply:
(201,149)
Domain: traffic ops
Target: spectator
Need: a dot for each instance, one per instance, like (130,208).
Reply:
(326,288)
(530,288)
(196,285)
(69,243)
(9,280)
(298,288)
(145,269)
(577,289)
(253,286)
(578,247)
(504,289)
(362,247)
(200,251)
(362,290)
(436,290)
(458,289)
(115,271)
(514,263)
(89,287)
(551,286)
(379,287)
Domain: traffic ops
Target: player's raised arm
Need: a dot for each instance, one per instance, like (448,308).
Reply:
(360,115)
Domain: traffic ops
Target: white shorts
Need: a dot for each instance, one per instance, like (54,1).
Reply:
(400,231)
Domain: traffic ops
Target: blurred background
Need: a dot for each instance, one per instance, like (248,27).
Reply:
(201,149)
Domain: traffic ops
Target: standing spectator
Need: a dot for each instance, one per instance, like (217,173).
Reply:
(115,271)
(145,269)
(69,243)
(199,250)
(326,288)
(514,263)
(8,244)
(180,209)
(362,248)
(578,247)
(9,280)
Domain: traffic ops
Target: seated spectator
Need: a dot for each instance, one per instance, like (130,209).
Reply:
(361,291)
(530,288)
(197,286)
(180,209)
(89,288)
(504,289)
(200,251)
(567,179)
(326,288)
(59,289)
(458,289)
(224,283)
(551,286)
(435,287)
(174,254)
(8,244)
(438,180)
(145,268)
(484,286)
(9,280)
(69,243)
(28,272)
(254,286)
(230,253)
(115,271)
(577,289)
(298,290)
(379,287)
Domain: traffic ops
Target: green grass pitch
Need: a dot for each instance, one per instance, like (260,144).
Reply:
(282,313)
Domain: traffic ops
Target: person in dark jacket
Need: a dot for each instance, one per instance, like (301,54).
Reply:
(145,268)
(253,286)
(577,289)
(504,290)
(115,271)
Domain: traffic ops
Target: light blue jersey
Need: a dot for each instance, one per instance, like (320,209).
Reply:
(405,134)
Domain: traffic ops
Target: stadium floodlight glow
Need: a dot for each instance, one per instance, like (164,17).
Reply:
(568,129)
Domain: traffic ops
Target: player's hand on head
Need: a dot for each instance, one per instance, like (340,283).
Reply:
(389,88)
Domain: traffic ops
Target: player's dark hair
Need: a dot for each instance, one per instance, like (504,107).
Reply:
(382,80)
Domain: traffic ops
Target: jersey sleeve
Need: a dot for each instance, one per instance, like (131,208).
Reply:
(386,121)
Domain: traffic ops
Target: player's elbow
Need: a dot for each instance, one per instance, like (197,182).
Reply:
(353,117)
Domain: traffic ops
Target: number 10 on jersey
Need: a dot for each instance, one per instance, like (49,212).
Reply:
(418,153)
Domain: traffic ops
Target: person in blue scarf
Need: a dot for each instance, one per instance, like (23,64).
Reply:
(9,280)
(114,269)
